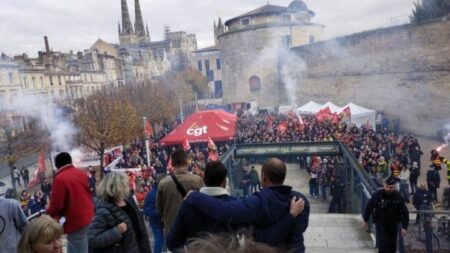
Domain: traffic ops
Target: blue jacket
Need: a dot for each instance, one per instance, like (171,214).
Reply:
(263,210)
(150,207)
(191,222)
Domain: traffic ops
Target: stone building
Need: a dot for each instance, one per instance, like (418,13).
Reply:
(401,71)
(145,59)
(207,61)
(9,78)
(250,46)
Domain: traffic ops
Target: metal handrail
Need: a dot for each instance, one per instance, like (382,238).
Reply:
(36,215)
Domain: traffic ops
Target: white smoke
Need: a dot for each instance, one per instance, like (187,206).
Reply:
(51,116)
(290,66)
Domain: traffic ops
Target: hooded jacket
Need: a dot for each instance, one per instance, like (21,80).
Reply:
(263,209)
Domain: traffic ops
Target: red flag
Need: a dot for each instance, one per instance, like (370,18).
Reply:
(148,129)
(186,145)
(347,112)
(269,120)
(169,166)
(282,127)
(211,144)
(212,150)
(41,169)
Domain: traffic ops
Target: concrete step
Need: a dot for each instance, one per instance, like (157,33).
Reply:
(337,233)
(330,250)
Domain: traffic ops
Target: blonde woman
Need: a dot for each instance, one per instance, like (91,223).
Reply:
(118,225)
(42,235)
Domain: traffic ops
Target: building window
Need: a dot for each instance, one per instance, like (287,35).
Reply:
(255,83)
(51,80)
(10,77)
(33,79)
(218,91)
(207,65)
(210,75)
(42,82)
(219,66)
(59,80)
(312,39)
(286,18)
(199,66)
(25,82)
(245,21)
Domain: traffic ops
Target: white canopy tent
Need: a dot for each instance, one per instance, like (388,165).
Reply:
(360,115)
(309,108)
(333,108)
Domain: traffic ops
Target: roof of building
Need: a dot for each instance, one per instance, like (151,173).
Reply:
(261,11)
(207,49)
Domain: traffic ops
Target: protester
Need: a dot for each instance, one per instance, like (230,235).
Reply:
(152,212)
(118,225)
(433,180)
(25,176)
(71,203)
(404,180)
(24,199)
(172,189)
(263,209)
(255,184)
(14,221)
(422,200)
(42,235)
(192,223)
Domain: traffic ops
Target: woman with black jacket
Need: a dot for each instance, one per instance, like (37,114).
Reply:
(118,225)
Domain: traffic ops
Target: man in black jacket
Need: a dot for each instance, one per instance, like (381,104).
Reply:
(337,192)
(389,210)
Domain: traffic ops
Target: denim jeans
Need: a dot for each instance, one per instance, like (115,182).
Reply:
(77,242)
(404,191)
(313,187)
(158,236)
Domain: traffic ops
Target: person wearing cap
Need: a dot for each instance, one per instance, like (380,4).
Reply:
(388,209)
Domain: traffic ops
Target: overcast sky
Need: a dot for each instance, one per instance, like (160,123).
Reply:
(77,24)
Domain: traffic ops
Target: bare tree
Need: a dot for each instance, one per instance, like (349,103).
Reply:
(106,119)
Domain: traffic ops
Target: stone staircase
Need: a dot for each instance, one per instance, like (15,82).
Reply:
(337,233)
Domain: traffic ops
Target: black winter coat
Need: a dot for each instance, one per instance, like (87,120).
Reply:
(103,233)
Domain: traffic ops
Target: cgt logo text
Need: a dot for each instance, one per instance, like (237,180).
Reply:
(197,131)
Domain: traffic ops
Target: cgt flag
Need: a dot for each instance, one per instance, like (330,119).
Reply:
(40,171)
(186,145)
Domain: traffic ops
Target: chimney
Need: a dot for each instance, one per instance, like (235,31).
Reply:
(47,47)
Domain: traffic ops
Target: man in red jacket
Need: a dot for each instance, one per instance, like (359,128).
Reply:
(71,203)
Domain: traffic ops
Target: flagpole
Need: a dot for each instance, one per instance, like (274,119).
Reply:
(147,143)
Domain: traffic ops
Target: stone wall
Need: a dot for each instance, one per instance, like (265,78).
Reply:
(402,71)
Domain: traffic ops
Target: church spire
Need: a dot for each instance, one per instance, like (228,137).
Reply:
(127,27)
(139,25)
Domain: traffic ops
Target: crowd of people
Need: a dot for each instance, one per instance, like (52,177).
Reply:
(114,221)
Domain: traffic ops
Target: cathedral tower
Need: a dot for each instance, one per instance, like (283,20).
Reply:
(141,33)
(127,35)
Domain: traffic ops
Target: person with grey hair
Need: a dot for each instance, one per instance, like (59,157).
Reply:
(118,225)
